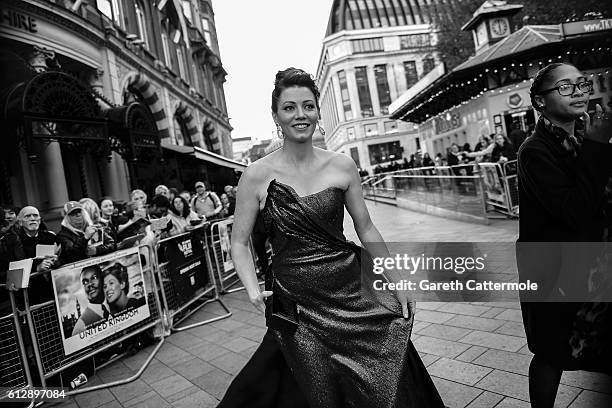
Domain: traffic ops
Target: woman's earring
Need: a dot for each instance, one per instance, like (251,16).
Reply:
(321,130)
(279,131)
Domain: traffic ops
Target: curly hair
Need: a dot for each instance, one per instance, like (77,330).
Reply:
(540,77)
(291,77)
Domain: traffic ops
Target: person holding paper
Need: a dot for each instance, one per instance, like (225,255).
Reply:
(77,229)
(21,243)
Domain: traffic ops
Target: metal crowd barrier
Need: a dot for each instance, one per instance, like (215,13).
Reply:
(45,329)
(186,278)
(14,368)
(220,255)
(501,186)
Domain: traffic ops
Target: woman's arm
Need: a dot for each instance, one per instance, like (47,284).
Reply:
(483,152)
(247,208)
(366,231)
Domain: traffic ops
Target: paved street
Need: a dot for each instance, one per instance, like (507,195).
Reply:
(476,352)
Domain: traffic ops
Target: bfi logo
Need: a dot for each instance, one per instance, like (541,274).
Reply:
(185,248)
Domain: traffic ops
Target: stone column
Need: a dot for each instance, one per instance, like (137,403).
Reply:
(51,162)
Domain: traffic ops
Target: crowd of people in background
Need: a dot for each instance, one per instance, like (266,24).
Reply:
(89,228)
(495,148)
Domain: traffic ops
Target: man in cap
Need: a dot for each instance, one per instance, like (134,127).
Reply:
(92,281)
(206,203)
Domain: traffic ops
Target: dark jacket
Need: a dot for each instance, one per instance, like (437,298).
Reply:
(17,245)
(74,246)
(561,197)
(507,150)
(561,200)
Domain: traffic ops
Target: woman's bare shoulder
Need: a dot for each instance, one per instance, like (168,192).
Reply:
(259,172)
(340,161)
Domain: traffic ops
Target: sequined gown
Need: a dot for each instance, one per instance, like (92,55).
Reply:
(352,347)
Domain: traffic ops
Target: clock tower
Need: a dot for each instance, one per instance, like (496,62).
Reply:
(491,22)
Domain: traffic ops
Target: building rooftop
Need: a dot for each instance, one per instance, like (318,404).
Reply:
(522,40)
(354,15)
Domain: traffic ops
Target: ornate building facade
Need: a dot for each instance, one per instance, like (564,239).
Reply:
(372,53)
(104,96)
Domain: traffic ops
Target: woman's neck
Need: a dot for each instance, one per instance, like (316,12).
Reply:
(565,124)
(298,154)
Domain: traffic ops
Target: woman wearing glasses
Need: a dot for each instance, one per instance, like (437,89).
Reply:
(563,169)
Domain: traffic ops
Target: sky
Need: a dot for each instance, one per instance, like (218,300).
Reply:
(257,39)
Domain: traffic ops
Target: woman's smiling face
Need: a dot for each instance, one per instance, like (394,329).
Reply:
(112,288)
(297,113)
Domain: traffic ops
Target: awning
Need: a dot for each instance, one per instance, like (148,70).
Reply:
(206,156)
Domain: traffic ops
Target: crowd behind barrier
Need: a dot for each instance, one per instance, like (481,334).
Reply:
(474,187)
(112,280)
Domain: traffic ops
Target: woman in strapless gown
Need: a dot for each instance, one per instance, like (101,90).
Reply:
(351,346)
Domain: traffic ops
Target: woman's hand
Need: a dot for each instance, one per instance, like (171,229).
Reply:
(402,296)
(258,300)
(599,127)
(90,231)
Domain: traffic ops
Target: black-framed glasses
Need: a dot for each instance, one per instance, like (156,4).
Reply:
(569,89)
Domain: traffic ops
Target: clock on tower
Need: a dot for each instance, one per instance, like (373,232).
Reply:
(499,27)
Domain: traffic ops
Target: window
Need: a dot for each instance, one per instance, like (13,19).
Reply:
(385,152)
(142,23)
(206,28)
(187,10)
(428,65)
(181,62)
(355,156)
(194,73)
(382,85)
(363,90)
(105,8)
(391,127)
(411,73)
(166,47)
(367,45)
(371,129)
(414,41)
(350,133)
(344,93)
(111,9)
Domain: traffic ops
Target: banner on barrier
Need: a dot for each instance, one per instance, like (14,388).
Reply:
(99,297)
(186,265)
(225,235)
(492,185)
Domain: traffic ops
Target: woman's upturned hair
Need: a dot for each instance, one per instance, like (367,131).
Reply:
(293,77)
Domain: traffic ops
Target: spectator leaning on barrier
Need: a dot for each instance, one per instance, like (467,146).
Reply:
(162,190)
(231,197)
(105,237)
(503,150)
(75,233)
(206,203)
(21,243)
(181,216)
(139,197)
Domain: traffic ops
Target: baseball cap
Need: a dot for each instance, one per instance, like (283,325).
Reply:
(200,184)
(70,206)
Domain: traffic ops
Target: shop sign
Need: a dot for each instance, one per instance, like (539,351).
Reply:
(447,122)
(585,27)
(514,100)
(18,20)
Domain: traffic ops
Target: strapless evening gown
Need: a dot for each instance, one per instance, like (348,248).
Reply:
(352,346)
